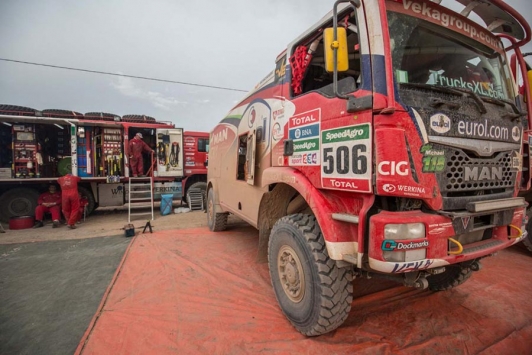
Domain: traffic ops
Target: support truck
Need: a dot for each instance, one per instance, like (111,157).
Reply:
(386,142)
(37,147)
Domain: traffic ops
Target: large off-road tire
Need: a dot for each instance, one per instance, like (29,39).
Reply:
(313,292)
(203,187)
(454,275)
(527,242)
(90,197)
(20,201)
(217,221)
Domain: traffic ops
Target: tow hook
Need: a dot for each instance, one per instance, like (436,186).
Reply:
(476,266)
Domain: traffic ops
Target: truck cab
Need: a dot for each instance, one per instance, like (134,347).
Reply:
(386,142)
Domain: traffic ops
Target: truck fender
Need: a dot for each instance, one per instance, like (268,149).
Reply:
(322,208)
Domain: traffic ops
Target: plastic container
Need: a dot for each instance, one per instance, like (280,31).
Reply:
(166,204)
(21,222)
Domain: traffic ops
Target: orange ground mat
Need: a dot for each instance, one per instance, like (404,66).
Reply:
(197,292)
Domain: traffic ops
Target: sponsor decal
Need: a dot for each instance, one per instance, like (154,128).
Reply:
(393,168)
(190,139)
(440,123)
(484,88)
(278,114)
(389,188)
(306,118)
(190,163)
(483,129)
(465,221)
(516,134)
(304,132)
(346,158)
(252,116)
(446,18)
(517,161)
(412,266)
(411,190)
(189,153)
(433,164)
(391,245)
(427,150)
(476,173)
(277,131)
(436,231)
(306,145)
(304,159)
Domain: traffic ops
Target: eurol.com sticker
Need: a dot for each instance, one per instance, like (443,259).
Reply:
(391,245)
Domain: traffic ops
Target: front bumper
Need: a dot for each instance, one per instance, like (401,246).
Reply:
(491,231)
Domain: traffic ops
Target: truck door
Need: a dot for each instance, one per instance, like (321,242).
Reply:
(250,157)
(169,152)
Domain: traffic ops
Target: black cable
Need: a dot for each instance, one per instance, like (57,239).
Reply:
(123,75)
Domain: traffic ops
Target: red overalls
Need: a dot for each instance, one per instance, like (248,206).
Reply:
(69,189)
(48,197)
(136,146)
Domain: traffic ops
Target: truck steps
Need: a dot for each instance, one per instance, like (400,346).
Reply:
(140,196)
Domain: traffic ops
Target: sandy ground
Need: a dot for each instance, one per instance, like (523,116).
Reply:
(109,222)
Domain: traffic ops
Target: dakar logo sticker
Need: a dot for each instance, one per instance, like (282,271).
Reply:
(440,123)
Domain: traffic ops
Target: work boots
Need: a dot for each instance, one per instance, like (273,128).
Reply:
(38,224)
(55,224)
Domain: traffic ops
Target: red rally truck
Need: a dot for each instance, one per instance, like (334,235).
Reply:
(386,142)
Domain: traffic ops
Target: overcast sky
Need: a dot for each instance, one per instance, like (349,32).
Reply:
(231,43)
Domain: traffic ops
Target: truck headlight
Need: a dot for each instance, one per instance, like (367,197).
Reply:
(400,232)
(404,231)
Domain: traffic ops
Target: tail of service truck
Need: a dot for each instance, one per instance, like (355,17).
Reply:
(386,142)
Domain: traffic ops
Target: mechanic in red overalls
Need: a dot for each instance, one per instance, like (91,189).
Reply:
(70,198)
(136,147)
(48,202)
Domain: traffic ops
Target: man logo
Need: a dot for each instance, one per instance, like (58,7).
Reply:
(440,123)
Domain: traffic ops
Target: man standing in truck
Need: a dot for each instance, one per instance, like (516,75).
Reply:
(136,147)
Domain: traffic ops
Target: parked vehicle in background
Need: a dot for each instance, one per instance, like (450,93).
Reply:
(387,142)
(40,146)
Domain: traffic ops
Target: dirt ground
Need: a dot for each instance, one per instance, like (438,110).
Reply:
(108,222)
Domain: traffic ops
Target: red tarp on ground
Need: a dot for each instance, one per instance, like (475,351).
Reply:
(197,292)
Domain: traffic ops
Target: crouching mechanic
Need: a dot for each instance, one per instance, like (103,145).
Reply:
(136,147)
(48,202)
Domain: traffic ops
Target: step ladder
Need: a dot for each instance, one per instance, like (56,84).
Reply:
(195,199)
(140,195)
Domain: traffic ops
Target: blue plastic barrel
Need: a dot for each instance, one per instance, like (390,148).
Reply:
(166,204)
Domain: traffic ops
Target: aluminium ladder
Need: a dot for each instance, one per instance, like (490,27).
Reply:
(140,195)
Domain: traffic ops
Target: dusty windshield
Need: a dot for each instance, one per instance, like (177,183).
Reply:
(423,53)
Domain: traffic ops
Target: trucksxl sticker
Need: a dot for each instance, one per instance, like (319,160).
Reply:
(304,130)
(346,158)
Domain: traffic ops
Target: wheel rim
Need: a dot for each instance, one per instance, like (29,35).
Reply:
(20,206)
(291,273)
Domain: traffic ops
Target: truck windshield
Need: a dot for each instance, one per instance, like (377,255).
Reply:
(424,53)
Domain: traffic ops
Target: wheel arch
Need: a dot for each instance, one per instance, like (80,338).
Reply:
(285,185)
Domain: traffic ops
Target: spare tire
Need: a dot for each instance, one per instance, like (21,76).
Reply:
(61,113)
(102,116)
(18,111)
(138,119)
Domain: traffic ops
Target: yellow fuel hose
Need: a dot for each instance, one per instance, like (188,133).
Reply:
(518,230)
(460,247)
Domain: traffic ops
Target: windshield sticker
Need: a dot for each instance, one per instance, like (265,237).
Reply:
(484,88)
(446,18)
(440,123)
(485,130)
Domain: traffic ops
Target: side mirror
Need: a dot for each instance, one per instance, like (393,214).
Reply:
(339,45)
